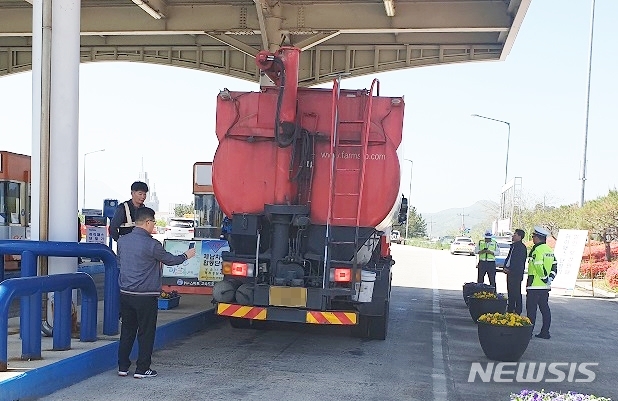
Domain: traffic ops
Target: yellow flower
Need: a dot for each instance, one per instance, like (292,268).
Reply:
(505,319)
(484,295)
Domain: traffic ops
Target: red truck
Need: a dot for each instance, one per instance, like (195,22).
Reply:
(310,179)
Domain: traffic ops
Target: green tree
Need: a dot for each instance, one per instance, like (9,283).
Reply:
(180,210)
(417,227)
(600,217)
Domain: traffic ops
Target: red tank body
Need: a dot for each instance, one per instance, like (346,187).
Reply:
(251,170)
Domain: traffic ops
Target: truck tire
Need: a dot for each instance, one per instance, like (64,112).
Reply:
(360,329)
(240,323)
(378,325)
(372,327)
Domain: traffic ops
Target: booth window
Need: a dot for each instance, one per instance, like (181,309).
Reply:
(9,203)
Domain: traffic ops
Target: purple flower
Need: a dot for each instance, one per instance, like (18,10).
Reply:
(533,395)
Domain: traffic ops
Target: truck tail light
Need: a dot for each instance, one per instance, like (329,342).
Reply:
(341,275)
(239,269)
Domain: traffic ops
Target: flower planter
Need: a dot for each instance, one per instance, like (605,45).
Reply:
(504,343)
(169,303)
(478,306)
(471,288)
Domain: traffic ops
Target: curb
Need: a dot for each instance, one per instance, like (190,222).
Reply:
(48,379)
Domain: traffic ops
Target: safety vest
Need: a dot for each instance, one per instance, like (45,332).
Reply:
(127,226)
(542,265)
(492,246)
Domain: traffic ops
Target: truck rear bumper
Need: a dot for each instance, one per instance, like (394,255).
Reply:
(285,314)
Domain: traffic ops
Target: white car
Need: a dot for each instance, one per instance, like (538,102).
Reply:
(463,245)
(180,228)
(396,237)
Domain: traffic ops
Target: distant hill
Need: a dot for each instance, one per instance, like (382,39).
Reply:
(477,217)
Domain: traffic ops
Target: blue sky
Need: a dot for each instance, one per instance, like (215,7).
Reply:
(166,115)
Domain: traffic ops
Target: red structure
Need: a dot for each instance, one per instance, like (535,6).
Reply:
(310,178)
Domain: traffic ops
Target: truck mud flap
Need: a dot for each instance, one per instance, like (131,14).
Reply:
(292,315)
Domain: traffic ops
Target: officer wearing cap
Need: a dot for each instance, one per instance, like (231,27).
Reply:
(542,269)
(124,218)
(487,250)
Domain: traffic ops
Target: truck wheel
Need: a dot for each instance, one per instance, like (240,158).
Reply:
(240,323)
(378,325)
(372,327)
(361,328)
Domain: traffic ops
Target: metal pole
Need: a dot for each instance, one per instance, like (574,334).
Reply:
(86,154)
(583,172)
(508,142)
(409,199)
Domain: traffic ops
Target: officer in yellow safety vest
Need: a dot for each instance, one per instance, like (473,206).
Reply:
(542,269)
(487,250)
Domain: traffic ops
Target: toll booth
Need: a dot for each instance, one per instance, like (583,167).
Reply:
(208,214)
(14,200)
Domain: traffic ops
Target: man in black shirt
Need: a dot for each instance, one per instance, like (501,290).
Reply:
(514,265)
(124,218)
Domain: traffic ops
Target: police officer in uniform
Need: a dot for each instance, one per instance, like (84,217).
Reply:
(487,250)
(542,269)
(124,218)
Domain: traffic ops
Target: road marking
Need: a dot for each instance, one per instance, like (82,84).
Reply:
(438,376)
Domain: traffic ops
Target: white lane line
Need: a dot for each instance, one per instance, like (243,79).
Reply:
(438,376)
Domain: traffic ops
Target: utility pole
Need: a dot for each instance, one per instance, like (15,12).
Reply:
(430,228)
(463,219)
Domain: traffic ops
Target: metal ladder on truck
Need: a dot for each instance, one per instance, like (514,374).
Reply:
(338,196)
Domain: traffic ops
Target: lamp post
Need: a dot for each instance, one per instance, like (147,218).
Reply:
(86,154)
(409,197)
(583,172)
(508,141)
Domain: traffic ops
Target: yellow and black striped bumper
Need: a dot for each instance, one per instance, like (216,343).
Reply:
(283,314)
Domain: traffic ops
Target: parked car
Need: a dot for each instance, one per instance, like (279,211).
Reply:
(396,236)
(463,245)
(180,228)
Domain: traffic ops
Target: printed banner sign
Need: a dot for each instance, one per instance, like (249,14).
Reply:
(202,270)
(96,235)
(569,250)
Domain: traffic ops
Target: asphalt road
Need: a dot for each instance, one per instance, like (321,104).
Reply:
(431,345)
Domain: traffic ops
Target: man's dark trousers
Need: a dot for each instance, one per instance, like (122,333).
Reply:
(139,318)
(489,268)
(513,287)
(539,298)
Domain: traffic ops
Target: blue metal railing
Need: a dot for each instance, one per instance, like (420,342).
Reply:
(33,287)
(30,250)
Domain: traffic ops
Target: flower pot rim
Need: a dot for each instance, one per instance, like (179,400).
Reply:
(502,325)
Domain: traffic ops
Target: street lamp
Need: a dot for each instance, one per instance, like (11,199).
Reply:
(583,173)
(409,198)
(508,141)
(86,154)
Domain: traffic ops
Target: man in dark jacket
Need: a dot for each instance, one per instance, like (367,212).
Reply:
(514,265)
(124,218)
(139,259)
